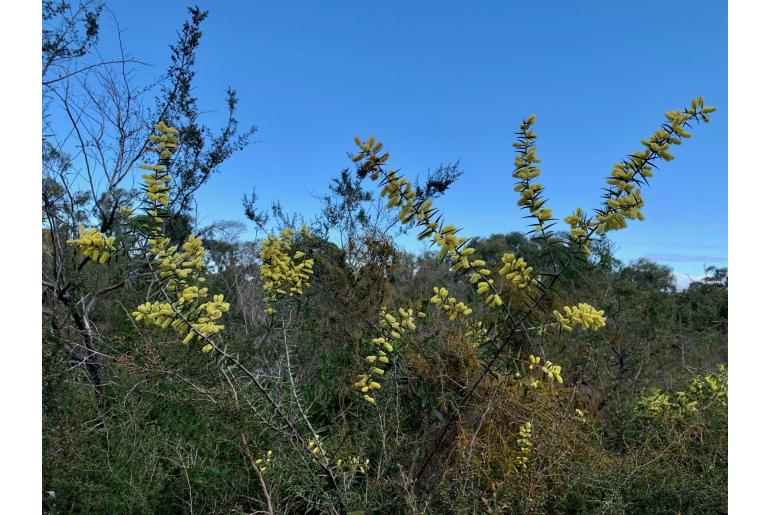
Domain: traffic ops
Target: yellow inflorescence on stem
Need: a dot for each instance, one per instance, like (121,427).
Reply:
(451,306)
(583,314)
(705,391)
(353,465)
(516,271)
(655,403)
(157,183)
(549,370)
(265,463)
(283,273)
(188,310)
(623,200)
(157,186)
(524,441)
(181,271)
(579,228)
(529,193)
(125,212)
(94,245)
(392,329)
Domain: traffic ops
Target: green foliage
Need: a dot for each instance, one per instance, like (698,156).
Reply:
(162,430)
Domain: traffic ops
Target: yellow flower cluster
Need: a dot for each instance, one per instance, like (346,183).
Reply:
(184,272)
(580,227)
(156,183)
(400,193)
(313,447)
(655,403)
(265,463)
(181,269)
(370,149)
(353,464)
(707,388)
(282,272)
(189,312)
(704,390)
(397,189)
(549,370)
(712,384)
(481,277)
(516,271)
(391,331)
(451,306)
(125,212)
(530,194)
(583,314)
(157,186)
(202,318)
(93,244)
(524,441)
(533,383)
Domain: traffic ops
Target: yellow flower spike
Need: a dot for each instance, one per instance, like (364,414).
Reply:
(449,304)
(281,273)
(524,441)
(392,327)
(583,314)
(181,270)
(93,244)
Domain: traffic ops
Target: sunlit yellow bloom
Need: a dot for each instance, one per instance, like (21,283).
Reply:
(524,441)
(583,314)
(192,314)
(281,273)
(93,244)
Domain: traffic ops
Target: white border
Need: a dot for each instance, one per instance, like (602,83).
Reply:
(20,314)
(749,253)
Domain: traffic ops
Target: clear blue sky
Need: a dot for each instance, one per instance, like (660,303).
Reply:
(440,81)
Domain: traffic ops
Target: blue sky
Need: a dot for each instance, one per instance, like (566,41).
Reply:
(441,81)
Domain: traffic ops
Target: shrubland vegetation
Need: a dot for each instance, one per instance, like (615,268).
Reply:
(322,369)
